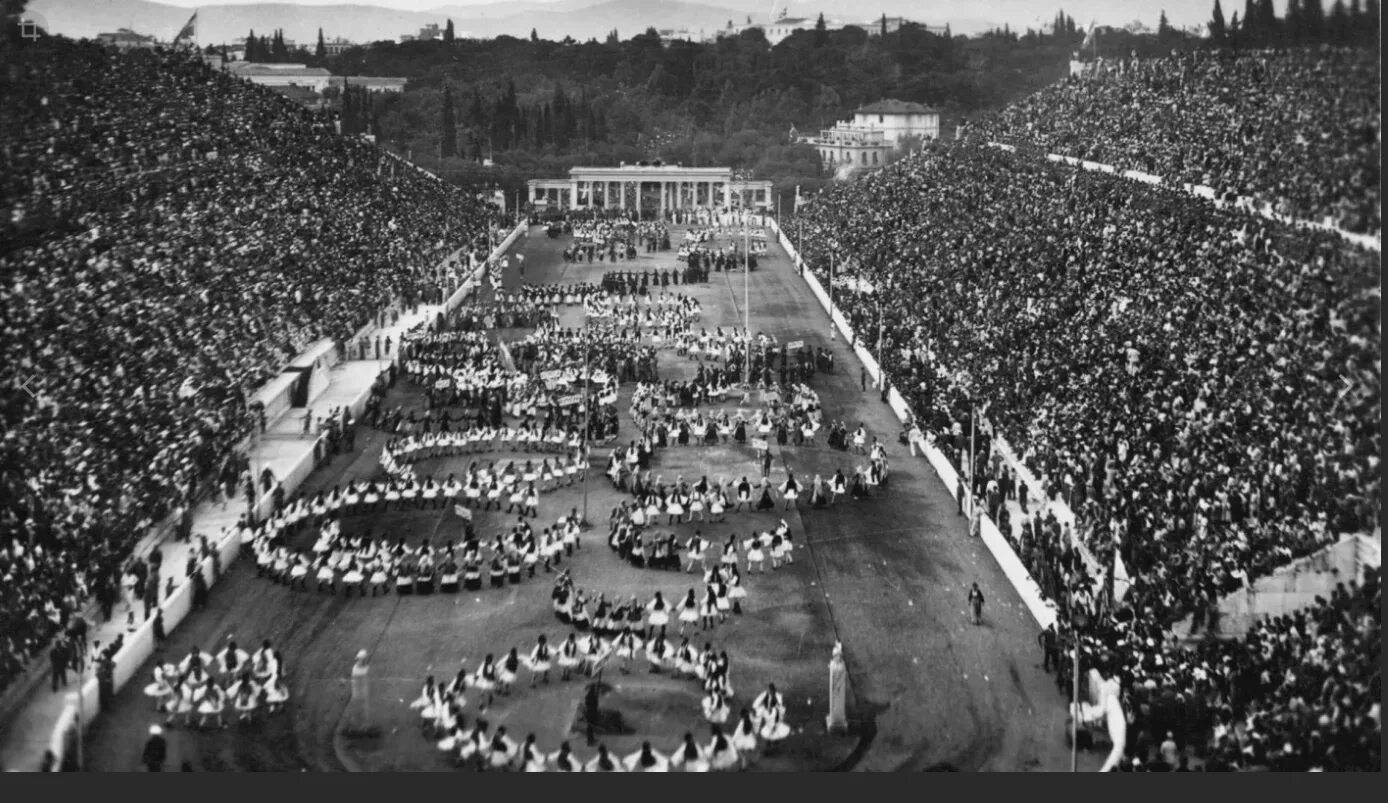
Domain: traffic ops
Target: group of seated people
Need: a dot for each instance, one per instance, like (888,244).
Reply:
(204,690)
(174,237)
(1199,384)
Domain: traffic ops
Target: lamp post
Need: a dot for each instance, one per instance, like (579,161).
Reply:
(746,309)
(1078,619)
(881,332)
(831,294)
(587,413)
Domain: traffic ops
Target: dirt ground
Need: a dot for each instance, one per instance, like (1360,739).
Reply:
(886,576)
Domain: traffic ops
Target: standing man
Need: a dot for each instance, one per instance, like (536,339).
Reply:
(862,378)
(156,750)
(976,603)
(61,658)
(1049,648)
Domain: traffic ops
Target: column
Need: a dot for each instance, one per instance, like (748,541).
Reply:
(622,194)
(727,194)
(664,198)
(637,183)
(573,194)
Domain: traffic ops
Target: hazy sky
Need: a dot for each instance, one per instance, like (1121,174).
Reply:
(1182,13)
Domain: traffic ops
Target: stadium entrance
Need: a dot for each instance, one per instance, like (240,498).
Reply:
(650,189)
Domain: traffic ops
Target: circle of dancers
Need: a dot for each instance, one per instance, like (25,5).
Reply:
(210,691)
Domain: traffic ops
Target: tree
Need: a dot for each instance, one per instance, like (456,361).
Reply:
(1248,25)
(1163,27)
(1337,24)
(320,52)
(821,31)
(448,145)
(1218,33)
(448,34)
(1313,20)
(534,36)
(251,54)
(884,24)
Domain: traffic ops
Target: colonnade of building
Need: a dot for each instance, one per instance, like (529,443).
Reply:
(670,193)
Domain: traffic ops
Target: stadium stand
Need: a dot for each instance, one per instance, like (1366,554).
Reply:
(1299,130)
(176,236)
(1199,385)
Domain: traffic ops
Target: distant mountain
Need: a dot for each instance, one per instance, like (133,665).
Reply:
(581,19)
(218,24)
(627,17)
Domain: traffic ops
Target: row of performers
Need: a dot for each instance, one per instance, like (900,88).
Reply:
(723,593)
(441,436)
(202,689)
(604,303)
(363,565)
(657,551)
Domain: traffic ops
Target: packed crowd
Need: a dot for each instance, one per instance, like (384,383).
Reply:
(1299,692)
(1297,130)
(175,236)
(1200,386)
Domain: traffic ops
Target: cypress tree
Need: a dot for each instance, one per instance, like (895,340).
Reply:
(449,145)
(1218,32)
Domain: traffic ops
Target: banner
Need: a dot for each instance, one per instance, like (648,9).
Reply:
(795,345)
(464,511)
(189,30)
(760,443)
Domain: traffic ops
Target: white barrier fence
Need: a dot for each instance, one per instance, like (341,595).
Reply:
(1041,610)
(138,646)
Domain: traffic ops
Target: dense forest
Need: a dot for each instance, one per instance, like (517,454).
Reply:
(537,107)
(533,107)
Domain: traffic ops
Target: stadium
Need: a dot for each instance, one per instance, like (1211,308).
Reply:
(1052,445)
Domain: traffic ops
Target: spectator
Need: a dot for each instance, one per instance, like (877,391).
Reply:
(151,195)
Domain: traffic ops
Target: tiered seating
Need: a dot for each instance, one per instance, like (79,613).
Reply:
(174,237)
(1297,129)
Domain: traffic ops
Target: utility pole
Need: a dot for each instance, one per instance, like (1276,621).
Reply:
(746,309)
(973,470)
(587,418)
(881,330)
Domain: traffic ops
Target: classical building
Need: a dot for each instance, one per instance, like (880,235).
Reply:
(125,39)
(899,120)
(650,188)
(337,46)
(862,144)
(274,75)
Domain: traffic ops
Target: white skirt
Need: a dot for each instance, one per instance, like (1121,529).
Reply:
(658,618)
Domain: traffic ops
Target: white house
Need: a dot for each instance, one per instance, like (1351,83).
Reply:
(862,145)
(898,119)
